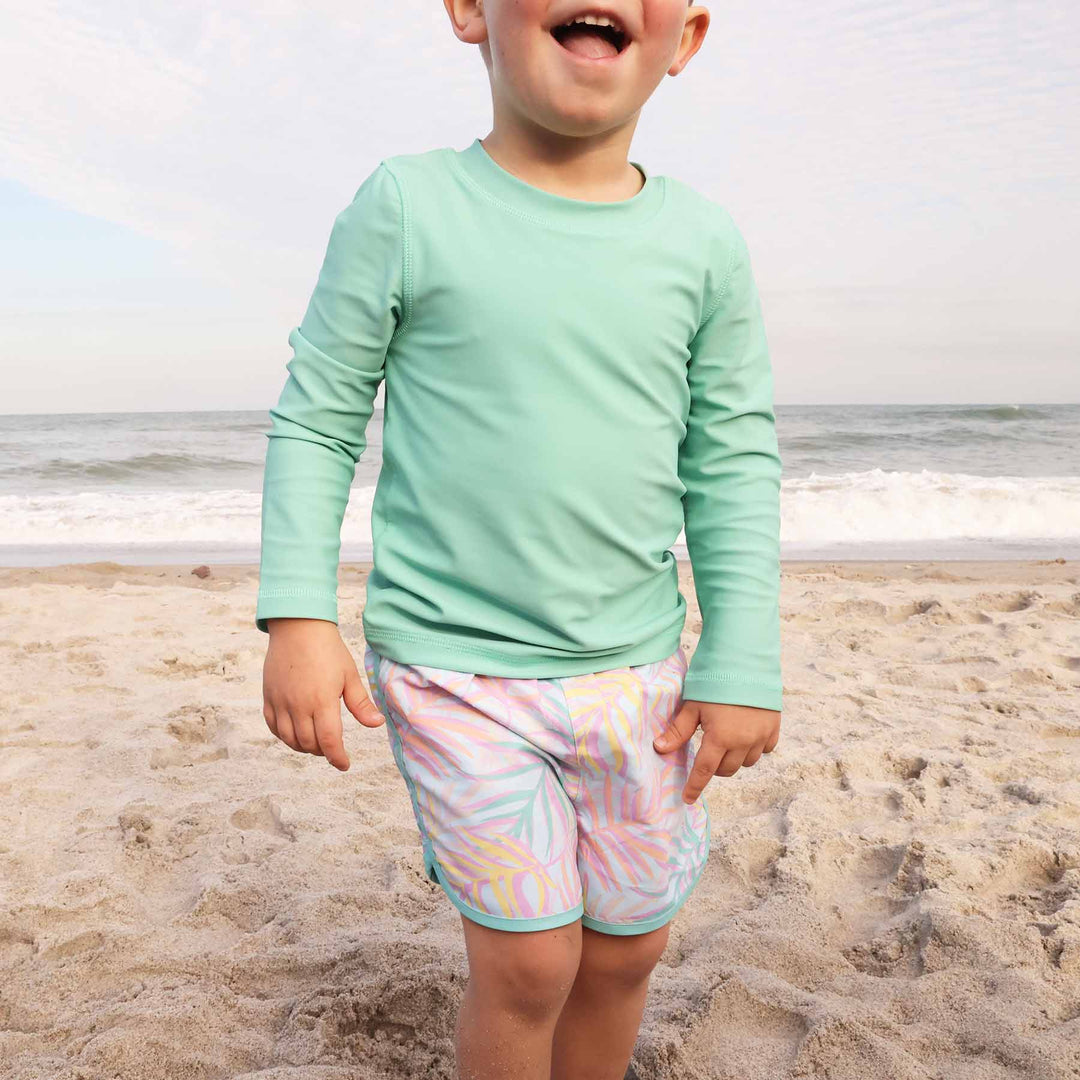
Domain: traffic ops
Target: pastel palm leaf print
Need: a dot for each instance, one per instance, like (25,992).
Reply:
(537,798)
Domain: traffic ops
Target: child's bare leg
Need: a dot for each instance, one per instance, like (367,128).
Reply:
(595,1035)
(518,983)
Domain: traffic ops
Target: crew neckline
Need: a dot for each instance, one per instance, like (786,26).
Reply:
(546,208)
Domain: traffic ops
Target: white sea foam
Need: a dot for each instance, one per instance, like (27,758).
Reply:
(880,506)
(875,506)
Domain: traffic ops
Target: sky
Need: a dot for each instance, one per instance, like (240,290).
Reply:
(906,176)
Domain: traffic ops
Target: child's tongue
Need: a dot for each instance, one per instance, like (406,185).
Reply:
(590,43)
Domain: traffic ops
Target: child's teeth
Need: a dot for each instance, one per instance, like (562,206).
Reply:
(593,20)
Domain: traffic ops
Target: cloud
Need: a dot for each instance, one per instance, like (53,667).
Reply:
(905,158)
(227,132)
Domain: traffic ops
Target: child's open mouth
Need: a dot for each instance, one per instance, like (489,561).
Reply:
(592,37)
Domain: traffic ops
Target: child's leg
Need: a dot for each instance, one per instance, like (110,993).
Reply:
(641,851)
(518,983)
(483,757)
(596,1032)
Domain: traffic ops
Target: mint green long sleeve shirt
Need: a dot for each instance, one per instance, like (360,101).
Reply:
(567,384)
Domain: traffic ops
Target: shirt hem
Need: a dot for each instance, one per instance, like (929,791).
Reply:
(456,654)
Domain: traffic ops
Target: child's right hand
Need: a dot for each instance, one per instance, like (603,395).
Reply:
(308,669)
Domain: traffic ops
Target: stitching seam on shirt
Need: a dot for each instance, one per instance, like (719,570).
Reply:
(406,251)
(723,285)
(402,635)
(274,593)
(502,205)
(532,218)
(459,646)
(729,677)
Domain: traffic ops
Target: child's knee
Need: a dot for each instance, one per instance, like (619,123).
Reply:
(622,958)
(531,973)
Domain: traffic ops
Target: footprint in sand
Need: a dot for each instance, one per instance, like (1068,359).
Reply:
(263,814)
(227,666)
(136,825)
(1018,601)
(199,732)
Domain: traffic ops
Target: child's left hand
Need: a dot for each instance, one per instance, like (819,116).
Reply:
(735,736)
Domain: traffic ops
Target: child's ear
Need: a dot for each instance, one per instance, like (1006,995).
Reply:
(467,20)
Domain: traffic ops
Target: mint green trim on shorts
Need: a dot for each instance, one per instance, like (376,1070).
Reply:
(502,922)
(668,913)
(434,872)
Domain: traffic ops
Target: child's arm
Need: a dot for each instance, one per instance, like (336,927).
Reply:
(315,441)
(318,429)
(729,462)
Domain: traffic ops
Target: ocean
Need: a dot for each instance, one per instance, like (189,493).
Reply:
(908,482)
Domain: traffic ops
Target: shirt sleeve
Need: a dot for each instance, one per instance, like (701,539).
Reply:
(318,425)
(729,463)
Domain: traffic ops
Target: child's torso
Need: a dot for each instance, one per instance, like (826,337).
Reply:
(534,407)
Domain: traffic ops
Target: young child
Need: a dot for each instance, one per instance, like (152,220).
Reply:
(576,368)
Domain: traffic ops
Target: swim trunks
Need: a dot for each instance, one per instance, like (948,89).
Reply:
(542,801)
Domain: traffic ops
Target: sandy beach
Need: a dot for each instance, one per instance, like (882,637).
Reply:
(893,893)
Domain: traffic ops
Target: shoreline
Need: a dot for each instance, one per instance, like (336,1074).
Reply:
(1031,571)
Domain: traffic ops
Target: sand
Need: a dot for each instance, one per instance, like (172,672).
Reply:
(894,892)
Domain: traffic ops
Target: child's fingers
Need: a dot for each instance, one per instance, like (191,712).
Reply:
(681,727)
(732,761)
(284,729)
(704,768)
(304,730)
(327,725)
(358,703)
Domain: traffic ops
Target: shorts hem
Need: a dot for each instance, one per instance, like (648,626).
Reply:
(643,926)
(502,922)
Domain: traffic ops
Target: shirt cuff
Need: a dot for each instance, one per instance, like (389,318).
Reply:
(733,690)
(294,604)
